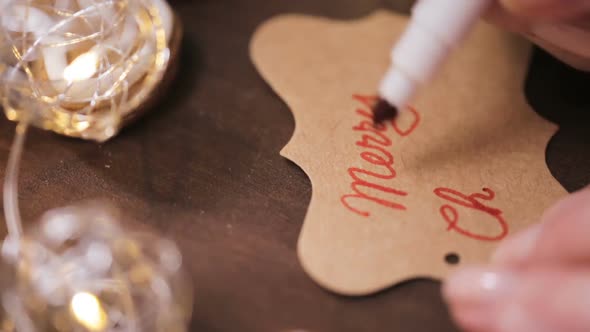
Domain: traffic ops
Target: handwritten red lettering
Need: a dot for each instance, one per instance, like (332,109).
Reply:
(374,138)
(368,101)
(376,143)
(412,126)
(473,201)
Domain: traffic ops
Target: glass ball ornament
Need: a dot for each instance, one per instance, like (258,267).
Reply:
(78,269)
(84,68)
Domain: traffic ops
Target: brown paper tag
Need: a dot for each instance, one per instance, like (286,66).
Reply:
(460,170)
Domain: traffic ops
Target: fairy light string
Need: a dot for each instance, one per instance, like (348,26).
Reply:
(81,69)
(10,191)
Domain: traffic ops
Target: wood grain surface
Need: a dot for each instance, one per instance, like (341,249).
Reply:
(203,167)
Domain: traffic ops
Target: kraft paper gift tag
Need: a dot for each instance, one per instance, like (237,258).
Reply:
(453,175)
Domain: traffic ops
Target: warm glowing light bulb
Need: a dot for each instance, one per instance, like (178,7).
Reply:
(88,311)
(82,68)
(85,68)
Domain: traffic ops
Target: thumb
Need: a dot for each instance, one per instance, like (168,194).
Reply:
(551,10)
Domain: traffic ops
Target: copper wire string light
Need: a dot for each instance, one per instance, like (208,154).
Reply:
(83,68)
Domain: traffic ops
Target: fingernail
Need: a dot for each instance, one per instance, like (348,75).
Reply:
(517,249)
(477,286)
(565,36)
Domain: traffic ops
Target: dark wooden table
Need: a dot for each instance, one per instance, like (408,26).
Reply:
(204,168)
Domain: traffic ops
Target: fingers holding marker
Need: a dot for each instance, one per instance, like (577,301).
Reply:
(561,27)
(540,300)
(560,238)
(546,9)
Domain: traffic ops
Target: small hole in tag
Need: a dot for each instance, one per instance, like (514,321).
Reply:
(452,258)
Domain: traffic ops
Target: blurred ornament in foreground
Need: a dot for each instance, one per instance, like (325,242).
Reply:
(79,270)
(84,68)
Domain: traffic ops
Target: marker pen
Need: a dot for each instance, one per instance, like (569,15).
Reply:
(436,27)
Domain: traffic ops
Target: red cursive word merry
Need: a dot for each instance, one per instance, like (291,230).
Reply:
(376,142)
(473,201)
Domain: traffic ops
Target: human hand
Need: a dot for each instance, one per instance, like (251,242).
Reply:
(561,27)
(538,281)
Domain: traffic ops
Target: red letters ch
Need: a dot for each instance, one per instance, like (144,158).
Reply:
(473,201)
